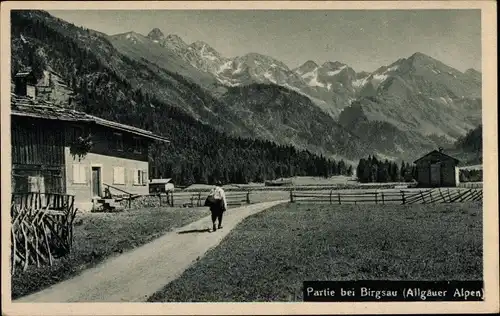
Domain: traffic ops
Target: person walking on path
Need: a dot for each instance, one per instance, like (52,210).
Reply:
(218,204)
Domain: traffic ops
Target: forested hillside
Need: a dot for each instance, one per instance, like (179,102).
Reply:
(469,148)
(375,170)
(472,141)
(383,136)
(105,84)
(275,113)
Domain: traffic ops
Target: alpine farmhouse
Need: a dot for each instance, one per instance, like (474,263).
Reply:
(60,150)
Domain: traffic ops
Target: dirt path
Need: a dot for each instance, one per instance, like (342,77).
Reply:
(135,275)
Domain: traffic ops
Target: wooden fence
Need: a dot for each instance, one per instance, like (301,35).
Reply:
(389,197)
(197,199)
(470,184)
(42,228)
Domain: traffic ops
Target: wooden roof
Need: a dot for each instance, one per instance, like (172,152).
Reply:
(23,106)
(161,181)
(439,153)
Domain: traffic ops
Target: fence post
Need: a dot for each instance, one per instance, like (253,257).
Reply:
(291,196)
(39,200)
(449,196)
(383,202)
(403,197)
(159,198)
(422,196)
(331,192)
(172,198)
(248,197)
(442,196)
(129,200)
(376,197)
(338,196)
(199,199)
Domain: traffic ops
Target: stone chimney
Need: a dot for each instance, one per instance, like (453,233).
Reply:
(25,84)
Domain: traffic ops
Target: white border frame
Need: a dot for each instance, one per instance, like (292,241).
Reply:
(490,168)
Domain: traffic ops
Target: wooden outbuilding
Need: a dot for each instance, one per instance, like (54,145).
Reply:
(161,186)
(437,169)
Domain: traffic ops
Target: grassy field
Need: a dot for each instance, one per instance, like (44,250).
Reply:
(98,236)
(300,183)
(269,255)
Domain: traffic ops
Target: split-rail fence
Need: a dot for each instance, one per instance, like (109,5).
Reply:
(439,195)
(197,199)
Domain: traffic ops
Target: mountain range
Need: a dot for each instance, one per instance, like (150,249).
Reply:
(420,99)
(399,111)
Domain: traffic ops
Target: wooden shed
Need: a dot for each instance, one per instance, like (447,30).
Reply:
(436,169)
(161,185)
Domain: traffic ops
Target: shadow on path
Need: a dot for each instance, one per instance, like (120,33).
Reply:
(206,230)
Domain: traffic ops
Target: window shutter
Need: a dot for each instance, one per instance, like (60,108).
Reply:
(79,173)
(118,175)
(135,177)
(76,171)
(83,174)
(144,177)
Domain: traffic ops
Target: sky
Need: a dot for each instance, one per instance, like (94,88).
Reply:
(363,39)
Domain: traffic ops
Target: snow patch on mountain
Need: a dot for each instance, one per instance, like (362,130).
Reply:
(436,71)
(316,83)
(313,80)
(227,82)
(207,54)
(310,74)
(335,72)
(225,66)
(380,77)
(393,68)
(239,69)
(269,76)
(359,83)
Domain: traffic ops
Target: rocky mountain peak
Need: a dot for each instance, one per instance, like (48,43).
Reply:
(173,38)
(156,35)
(308,66)
(421,56)
(174,42)
(200,45)
(332,65)
(420,59)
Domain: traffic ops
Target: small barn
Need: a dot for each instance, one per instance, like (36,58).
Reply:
(436,169)
(161,185)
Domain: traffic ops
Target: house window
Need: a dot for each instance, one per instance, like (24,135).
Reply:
(79,174)
(137,145)
(140,177)
(118,137)
(118,175)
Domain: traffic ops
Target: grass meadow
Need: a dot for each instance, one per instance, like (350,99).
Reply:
(270,254)
(98,236)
